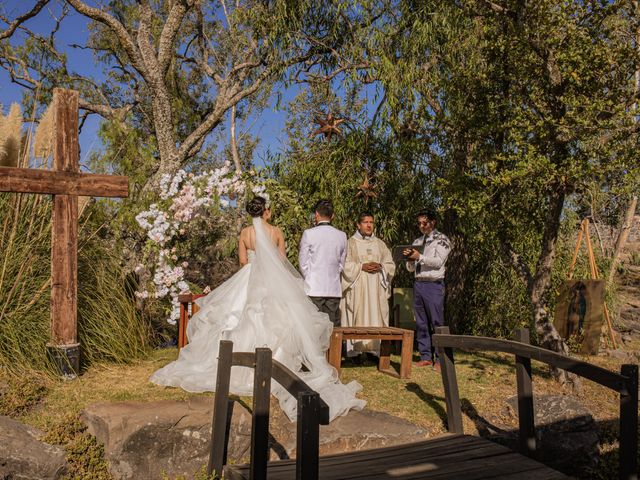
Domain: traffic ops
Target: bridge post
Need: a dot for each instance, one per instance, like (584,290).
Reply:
(527,432)
(450,383)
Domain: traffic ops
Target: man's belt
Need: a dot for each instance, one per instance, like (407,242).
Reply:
(428,280)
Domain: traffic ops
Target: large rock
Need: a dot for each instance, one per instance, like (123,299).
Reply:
(567,435)
(143,440)
(24,457)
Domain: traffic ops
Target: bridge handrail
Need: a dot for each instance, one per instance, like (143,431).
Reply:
(625,383)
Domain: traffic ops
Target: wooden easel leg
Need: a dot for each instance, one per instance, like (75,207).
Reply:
(572,265)
(610,326)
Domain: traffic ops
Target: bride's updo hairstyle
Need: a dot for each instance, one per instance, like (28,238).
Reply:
(256,206)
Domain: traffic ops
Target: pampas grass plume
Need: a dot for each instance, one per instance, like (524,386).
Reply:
(43,141)
(10,136)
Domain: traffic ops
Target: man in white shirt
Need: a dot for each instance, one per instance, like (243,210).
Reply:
(323,249)
(428,263)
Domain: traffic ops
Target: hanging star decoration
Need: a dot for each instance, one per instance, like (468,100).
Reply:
(328,126)
(366,190)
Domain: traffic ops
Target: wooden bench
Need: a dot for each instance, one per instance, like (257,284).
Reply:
(447,457)
(386,335)
(187,309)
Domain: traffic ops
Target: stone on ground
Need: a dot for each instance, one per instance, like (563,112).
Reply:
(24,457)
(567,434)
(145,440)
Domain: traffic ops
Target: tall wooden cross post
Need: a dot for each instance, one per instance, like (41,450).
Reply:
(65,183)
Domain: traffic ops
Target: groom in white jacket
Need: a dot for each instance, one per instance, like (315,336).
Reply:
(323,249)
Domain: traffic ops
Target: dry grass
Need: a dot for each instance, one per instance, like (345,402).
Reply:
(485,381)
(104,383)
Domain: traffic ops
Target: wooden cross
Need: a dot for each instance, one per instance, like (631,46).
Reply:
(65,183)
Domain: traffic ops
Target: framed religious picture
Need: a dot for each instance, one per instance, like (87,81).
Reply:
(579,313)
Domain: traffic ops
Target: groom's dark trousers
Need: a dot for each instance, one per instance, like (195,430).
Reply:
(330,306)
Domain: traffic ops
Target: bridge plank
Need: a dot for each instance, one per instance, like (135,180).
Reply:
(461,457)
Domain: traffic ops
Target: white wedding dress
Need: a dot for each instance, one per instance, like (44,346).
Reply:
(262,305)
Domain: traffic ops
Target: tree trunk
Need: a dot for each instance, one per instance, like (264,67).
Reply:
(234,142)
(541,283)
(457,265)
(236,160)
(623,235)
(165,135)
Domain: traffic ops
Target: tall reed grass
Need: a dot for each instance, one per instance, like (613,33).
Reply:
(110,328)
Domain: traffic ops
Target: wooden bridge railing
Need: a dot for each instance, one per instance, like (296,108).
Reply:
(625,383)
(312,412)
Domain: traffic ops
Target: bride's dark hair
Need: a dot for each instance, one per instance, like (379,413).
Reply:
(256,206)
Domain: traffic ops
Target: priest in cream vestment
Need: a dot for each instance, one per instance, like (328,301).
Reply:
(366,284)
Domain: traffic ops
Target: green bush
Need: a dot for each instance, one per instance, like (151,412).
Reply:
(110,328)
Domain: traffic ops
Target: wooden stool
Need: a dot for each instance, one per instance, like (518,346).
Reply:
(386,335)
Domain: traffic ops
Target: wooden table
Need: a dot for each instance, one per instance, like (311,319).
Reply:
(451,457)
(386,335)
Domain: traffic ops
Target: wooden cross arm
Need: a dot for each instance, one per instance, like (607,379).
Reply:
(28,180)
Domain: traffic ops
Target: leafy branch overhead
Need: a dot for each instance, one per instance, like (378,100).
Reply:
(176,68)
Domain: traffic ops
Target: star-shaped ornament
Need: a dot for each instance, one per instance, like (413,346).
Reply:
(366,190)
(328,126)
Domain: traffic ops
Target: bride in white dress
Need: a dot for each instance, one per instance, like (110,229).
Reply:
(262,305)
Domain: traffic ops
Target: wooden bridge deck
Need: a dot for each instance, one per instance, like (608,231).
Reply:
(451,457)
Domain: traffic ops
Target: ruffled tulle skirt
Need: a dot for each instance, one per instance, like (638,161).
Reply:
(252,310)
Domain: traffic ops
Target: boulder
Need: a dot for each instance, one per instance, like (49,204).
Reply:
(24,457)
(145,440)
(567,435)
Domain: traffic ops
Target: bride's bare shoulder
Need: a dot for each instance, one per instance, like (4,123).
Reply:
(245,235)
(278,231)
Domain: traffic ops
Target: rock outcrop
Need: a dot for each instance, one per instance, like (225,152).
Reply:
(24,457)
(145,440)
(566,433)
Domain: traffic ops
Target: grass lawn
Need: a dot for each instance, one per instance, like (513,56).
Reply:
(485,381)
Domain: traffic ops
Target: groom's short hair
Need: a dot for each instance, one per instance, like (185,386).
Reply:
(324,208)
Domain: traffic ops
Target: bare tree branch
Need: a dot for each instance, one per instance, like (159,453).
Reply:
(519,265)
(104,110)
(22,18)
(116,27)
(169,32)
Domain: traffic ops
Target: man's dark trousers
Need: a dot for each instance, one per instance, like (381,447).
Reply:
(330,306)
(428,305)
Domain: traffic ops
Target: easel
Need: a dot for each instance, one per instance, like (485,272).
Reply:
(584,232)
